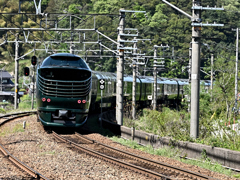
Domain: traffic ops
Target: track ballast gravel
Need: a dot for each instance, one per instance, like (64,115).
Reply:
(40,151)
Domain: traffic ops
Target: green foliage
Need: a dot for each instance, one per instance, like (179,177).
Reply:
(105,6)
(176,124)
(73,8)
(159,17)
(162,25)
(167,123)
(2,111)
(26,102)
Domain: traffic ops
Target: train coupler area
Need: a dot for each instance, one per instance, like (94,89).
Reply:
(63,115)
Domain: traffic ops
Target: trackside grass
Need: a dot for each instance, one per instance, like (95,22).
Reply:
(174,154)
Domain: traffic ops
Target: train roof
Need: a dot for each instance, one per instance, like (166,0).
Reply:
(182,81)
(64,60)
(147,79)
(206,82)
(160,80)
(64,55)
(105,75)
(129,78)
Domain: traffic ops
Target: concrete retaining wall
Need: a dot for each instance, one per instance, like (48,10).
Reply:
(223,156)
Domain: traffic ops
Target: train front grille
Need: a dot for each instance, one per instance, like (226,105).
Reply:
(64,88)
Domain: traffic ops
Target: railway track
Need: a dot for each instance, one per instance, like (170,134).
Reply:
(9,117)
(128,160)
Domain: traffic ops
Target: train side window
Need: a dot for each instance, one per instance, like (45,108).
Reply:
(109,86)
(125,87)
(129,89)
(148,88)
(4,81)
(138,87)
(169,89)
(158,88)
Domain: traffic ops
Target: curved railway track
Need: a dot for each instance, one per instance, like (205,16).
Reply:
(128,160)
(9,117)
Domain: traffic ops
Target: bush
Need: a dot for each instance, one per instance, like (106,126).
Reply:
(176,124)
(166,123)
(26,102)
(2,111)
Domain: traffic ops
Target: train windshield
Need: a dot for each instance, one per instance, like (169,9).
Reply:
(71,61)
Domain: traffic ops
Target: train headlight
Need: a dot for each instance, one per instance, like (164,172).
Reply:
(83,101)
(43,99)
(48,100)
(79,101)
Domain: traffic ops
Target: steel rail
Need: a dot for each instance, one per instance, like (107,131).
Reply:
(16,115)
(131,155)
(111,159)
(13,159)
(21,165)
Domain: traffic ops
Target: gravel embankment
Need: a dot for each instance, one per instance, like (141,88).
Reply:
(40,151)
(54,160)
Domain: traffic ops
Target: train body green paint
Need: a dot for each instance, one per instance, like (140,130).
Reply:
(63,91)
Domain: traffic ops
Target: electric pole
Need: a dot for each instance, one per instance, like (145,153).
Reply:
(190,63)
(212,58)
(120,69)
(236,70)
(120,63)
(16,100)
(33,79)
(1,79)
(135,70)
(71,44)
(155,79)
(195,76)
(134,82)
(155,71)
(195,65)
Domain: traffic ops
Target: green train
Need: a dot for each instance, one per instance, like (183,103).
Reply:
(67,90)
(64,83)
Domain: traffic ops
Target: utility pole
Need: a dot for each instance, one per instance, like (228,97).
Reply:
(33,80)
(189,75)
(120,69)
(190,63)
(212,58)
(120,64)
(155,70)
(134,82)
(236,71)
(16,100)
(71,44)
(1,79)
(135,70)
(173,56)
(195,65)
(195,76)
(155,79)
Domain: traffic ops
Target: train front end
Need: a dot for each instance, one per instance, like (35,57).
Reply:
(63,95)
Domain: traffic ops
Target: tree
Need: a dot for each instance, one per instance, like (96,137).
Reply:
(223,92)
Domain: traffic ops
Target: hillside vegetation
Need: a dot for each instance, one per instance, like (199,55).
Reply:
(162,24)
